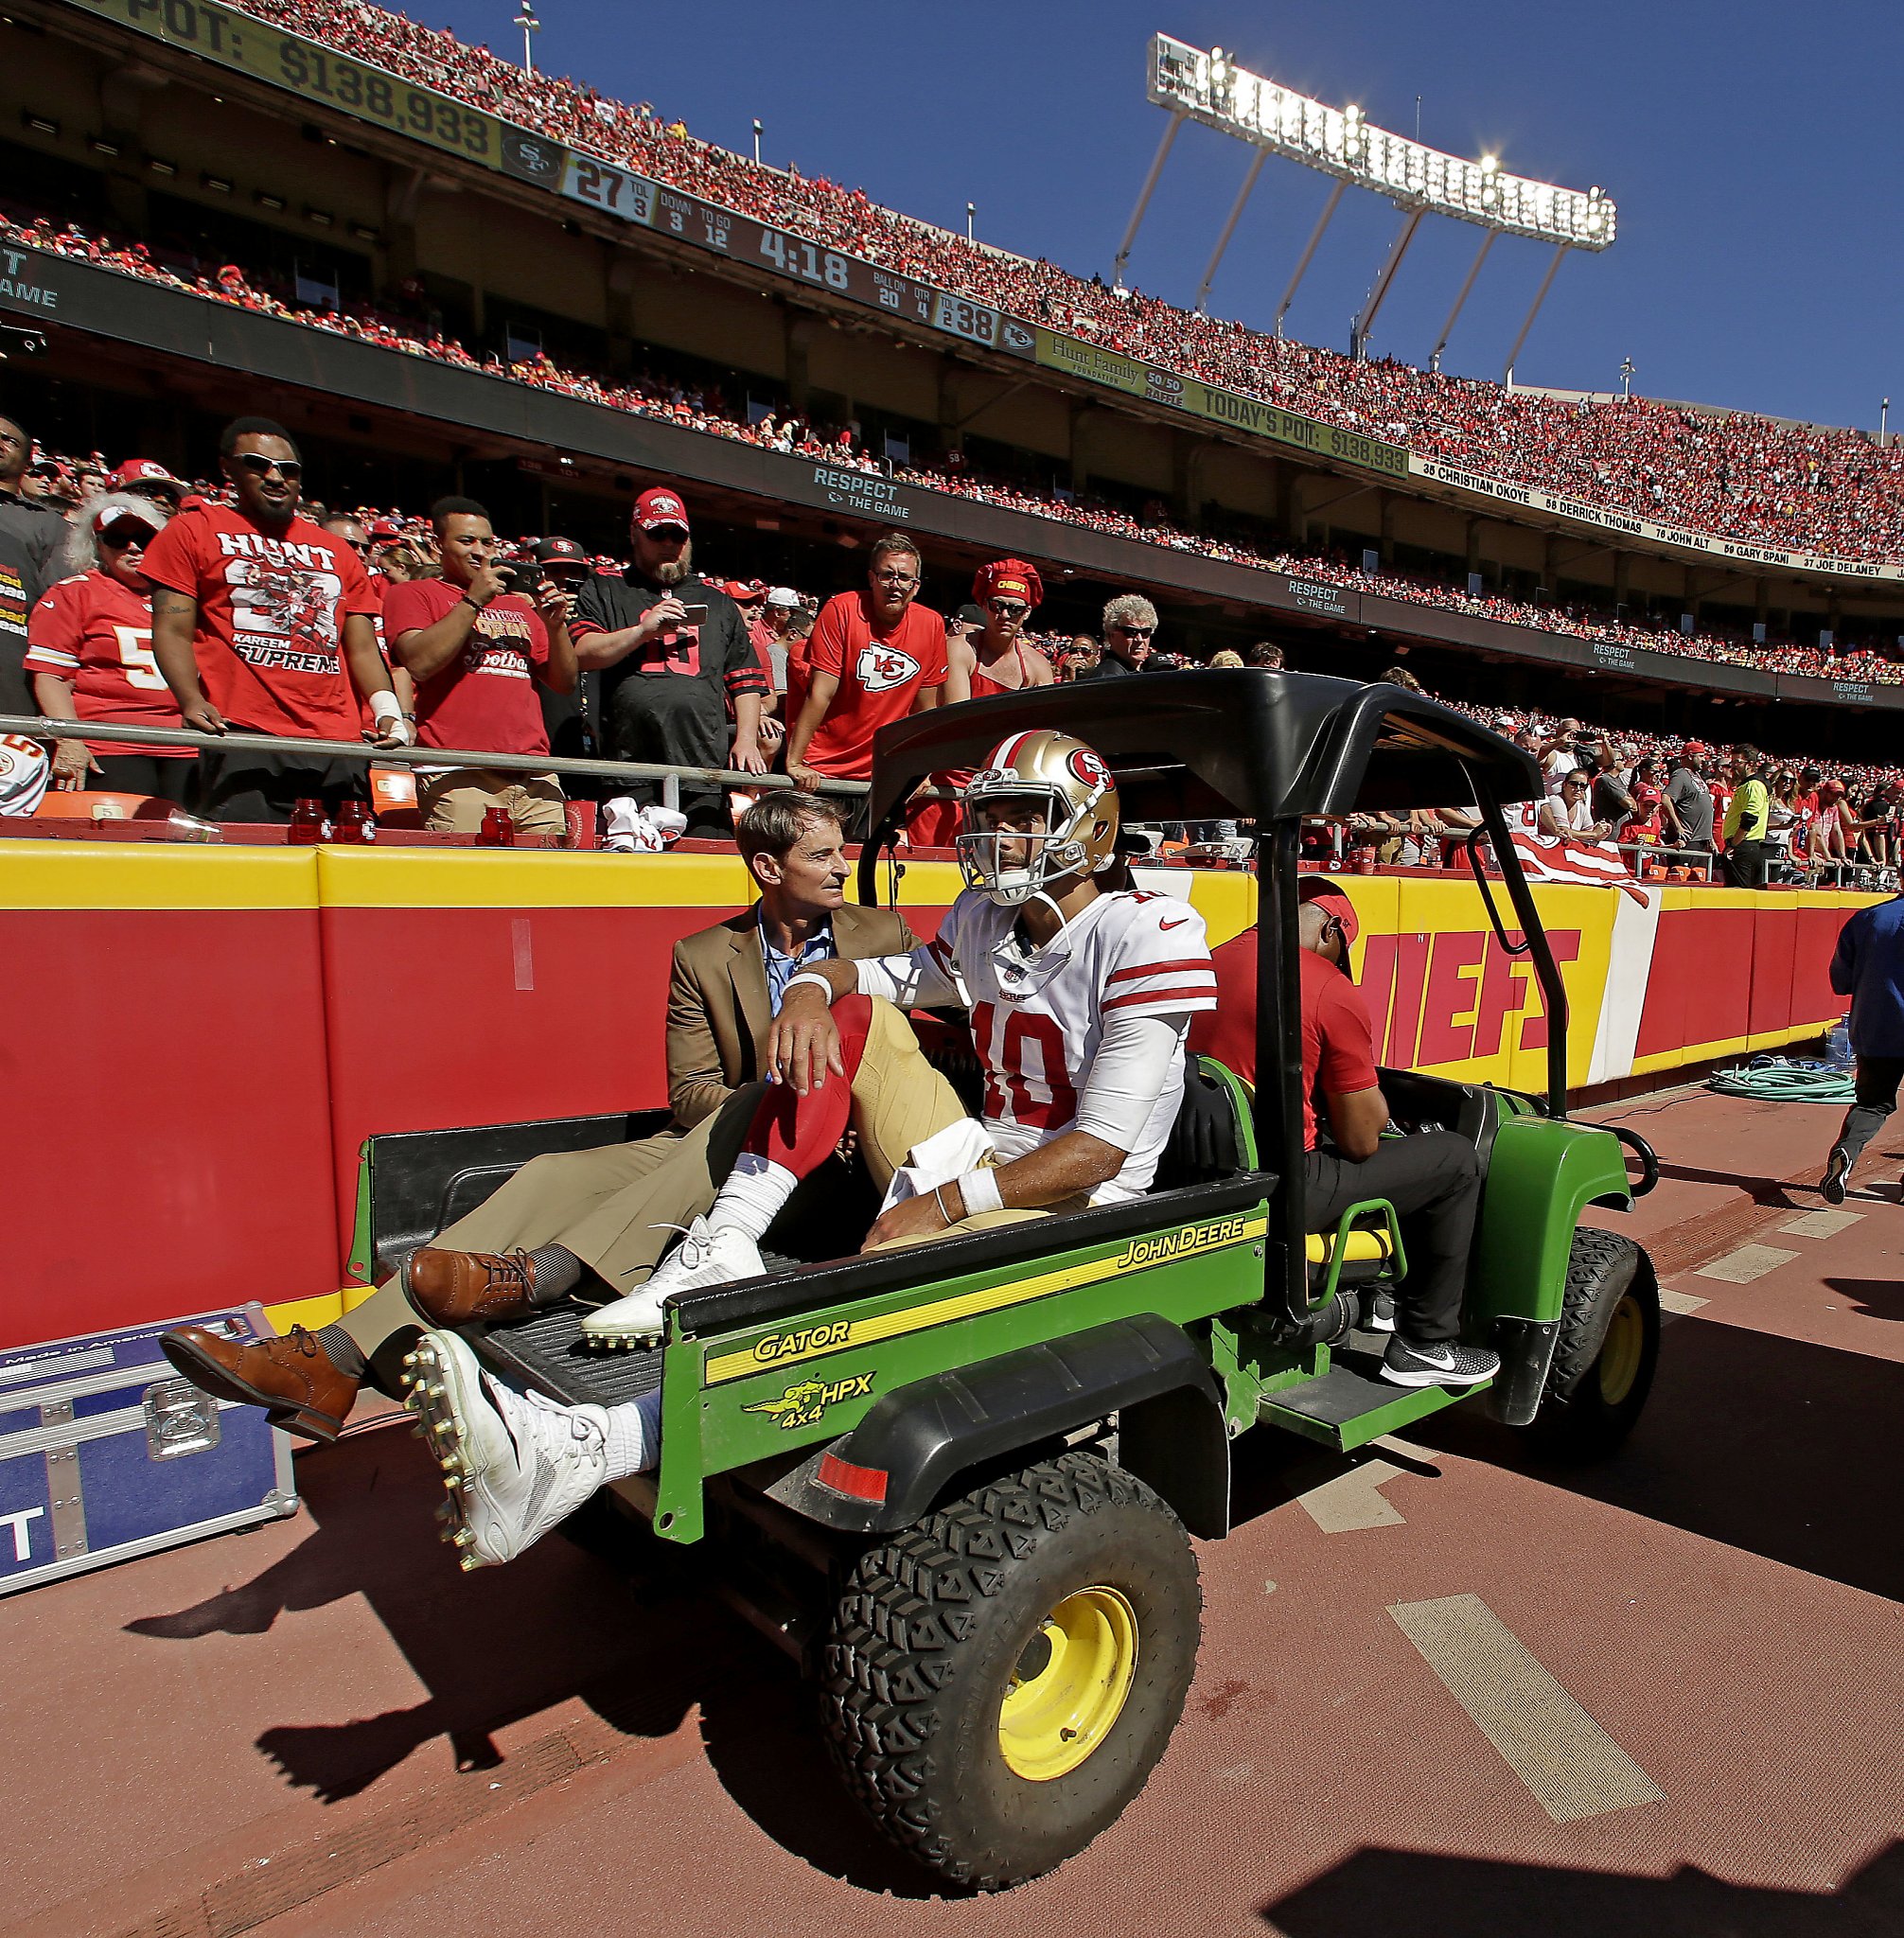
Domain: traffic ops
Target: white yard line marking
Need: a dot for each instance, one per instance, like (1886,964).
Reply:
(1569,1762)
(1354,1500)
(1678,1304)
(1823,1223)
(1749,1263)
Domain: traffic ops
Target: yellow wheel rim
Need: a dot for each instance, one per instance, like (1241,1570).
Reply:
(1620,1354)
(1069,1684)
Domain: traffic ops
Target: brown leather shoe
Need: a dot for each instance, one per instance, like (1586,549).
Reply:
(470,1288)
(291,1378)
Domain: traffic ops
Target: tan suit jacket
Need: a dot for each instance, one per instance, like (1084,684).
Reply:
(718,1006)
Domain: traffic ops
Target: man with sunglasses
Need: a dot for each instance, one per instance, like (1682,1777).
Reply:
(91,655)
(671,651)
(263,623)
(1130,626)
(874,657)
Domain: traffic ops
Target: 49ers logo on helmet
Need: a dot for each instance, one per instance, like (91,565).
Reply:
(1088,768)
(882,668)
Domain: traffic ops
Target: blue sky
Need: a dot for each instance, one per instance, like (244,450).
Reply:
(1753,151)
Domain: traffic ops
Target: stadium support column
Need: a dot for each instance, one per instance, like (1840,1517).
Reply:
(1309,250)
(1623,572)
(1083,417)
(619,289)
(798,342)
(1144,194)
(1229,228)
(1448,328)
(1472,532)
(1365,323)
(402,191)
(1540,297)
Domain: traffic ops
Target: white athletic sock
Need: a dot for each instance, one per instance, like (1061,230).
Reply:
(634,1436)
(750,1200)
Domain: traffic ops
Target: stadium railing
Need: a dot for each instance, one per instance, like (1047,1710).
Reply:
(671,777)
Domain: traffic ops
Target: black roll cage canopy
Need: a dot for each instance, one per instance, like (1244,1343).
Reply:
(1276,749)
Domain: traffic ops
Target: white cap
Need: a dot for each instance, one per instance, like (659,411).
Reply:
(782,595)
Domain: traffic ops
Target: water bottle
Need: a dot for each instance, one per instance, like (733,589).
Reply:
(1838,1047)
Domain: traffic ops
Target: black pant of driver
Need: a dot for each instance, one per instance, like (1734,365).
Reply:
(1433,1179)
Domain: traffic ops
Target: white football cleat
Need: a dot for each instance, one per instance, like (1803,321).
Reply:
(705,1256)
(513,1464)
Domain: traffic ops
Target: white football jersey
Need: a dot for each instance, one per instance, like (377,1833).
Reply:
(1038,1015)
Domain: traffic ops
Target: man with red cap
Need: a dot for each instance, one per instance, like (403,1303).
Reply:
(672,651)
(150,479)
(1432,1178)
(992,661)
(1689,801)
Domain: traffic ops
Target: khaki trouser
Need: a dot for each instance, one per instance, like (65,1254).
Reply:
(620,1207)
(455,802)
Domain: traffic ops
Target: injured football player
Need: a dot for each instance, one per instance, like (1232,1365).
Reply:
(1079,999)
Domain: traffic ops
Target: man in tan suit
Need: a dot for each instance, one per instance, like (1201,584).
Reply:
(592,1221)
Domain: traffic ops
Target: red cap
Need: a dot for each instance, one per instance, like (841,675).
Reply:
(1697,748)
(385,528)
(1008,578)
(1332,897)
(658,508)
(144,471)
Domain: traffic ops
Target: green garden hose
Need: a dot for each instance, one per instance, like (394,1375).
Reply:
(1777,1080)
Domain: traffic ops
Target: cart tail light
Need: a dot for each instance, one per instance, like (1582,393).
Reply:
(858,1483)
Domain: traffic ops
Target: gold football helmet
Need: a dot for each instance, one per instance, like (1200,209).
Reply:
(1074,789)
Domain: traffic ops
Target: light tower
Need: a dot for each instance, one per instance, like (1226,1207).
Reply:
(526,20)
(1193,85)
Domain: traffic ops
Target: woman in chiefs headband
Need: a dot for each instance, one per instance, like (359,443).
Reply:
(996,660)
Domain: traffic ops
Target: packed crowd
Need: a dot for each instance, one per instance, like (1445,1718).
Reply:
(1745,478)
(759,676)
(706,409)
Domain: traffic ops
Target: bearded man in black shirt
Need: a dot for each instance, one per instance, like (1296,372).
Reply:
(666,674)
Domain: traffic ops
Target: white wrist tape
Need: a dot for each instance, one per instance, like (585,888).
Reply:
(819,983)
(384,708)
(980,1191)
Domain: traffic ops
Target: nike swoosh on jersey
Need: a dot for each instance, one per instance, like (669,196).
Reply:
(1166,926)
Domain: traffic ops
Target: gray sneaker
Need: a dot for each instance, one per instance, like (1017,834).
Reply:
(1444,1364)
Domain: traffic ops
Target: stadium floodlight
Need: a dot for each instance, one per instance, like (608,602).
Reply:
(1209,87)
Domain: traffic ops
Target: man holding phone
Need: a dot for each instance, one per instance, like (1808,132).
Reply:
(672,651)
(475,646)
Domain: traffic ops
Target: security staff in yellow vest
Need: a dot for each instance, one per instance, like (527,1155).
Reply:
(1747,817)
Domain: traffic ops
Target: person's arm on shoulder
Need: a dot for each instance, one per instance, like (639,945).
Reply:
(697,1086)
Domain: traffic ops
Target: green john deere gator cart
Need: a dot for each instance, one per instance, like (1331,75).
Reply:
(961,1482)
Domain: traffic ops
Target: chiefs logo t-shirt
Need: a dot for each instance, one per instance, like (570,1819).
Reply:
(879,674)
(271,606)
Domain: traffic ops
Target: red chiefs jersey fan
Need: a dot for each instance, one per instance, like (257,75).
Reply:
(90,654)
(875,655)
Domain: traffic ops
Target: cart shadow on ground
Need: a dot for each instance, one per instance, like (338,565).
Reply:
(1376,1893)
(621,1624)
(1767,1444)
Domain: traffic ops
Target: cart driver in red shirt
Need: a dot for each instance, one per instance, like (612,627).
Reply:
(1432,1178)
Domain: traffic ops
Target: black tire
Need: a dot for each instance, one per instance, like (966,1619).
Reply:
(1608,1348)
(931,1632)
